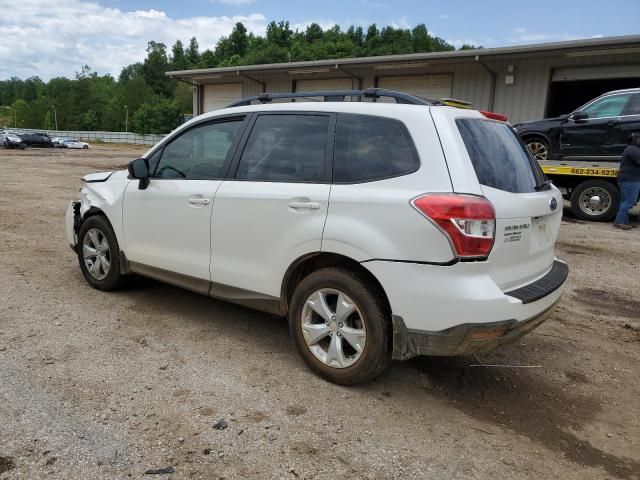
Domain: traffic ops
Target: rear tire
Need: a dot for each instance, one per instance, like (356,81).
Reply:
(595,200)
(350,340)
(538,148)
(99,254)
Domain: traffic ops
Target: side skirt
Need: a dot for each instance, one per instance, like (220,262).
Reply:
(247,298)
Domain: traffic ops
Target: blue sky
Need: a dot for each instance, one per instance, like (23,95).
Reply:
(490,22)
(55,37)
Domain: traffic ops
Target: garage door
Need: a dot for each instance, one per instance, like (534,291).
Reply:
(219,96)
(427,86)
(317,85)
(570,74)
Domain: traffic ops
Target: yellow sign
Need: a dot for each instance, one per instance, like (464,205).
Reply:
(585,172)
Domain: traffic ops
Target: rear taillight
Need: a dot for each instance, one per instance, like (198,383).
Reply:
(468,221)
(494,116)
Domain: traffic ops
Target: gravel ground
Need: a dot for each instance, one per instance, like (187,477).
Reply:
(110,385)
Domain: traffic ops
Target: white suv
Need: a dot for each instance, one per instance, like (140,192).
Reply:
(383,231)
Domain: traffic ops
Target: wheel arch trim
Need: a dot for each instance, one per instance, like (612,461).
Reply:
(325,260)
(533,134)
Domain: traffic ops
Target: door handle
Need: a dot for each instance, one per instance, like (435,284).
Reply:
(199,201)
(304,205)
(613,122)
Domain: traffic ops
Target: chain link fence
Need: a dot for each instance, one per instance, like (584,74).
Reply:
(99,137)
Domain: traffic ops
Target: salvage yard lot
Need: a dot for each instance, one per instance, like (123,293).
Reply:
(109,385)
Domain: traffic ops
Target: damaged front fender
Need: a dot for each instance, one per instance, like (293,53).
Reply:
(102,193)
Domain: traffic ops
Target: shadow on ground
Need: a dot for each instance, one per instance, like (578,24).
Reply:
(527,403)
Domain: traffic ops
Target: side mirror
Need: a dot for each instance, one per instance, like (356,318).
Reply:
(139,169)
(579,116)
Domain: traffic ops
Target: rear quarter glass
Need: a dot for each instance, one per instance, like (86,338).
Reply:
(499,159)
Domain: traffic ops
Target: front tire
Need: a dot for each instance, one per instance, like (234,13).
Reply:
(99,254)
(595,200)
(341,326)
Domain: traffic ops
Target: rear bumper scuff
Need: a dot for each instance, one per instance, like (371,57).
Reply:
(462,339)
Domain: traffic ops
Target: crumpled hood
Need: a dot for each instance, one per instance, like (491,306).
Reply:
(103,176)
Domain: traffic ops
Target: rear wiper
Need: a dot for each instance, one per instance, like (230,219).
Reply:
(545,185)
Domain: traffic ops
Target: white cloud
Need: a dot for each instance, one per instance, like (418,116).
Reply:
(443,16)
(56,37)
(234,2)
(400,23)
(523,35)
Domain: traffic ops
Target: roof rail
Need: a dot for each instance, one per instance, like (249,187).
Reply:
(338,96)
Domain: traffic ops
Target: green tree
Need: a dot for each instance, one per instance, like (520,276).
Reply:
(441,45)
(193,53)
(18,111)
(184,98)
(89,121)
(48,123)
(208,59)
(178,57)
(239,41)
(356,36)
(279,34)
(154,69)
(421,39)
(313,33)
(157,115)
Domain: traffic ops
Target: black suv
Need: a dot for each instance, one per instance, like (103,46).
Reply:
(600,129)
(36,140)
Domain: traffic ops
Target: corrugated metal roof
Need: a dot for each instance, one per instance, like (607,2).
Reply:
(596,43)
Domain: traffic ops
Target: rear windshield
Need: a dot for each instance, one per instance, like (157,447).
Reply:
(499,158)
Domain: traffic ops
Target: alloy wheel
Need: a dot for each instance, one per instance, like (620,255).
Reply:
(333,328)
(538,150)
(96,254)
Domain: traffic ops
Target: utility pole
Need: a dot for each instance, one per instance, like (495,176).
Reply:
(15,118)
(55,117)
(126,119)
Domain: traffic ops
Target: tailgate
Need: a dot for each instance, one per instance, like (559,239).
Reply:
(528,210)
(526,230)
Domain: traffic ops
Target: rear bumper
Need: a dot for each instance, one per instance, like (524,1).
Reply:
(462,339)
(459,309)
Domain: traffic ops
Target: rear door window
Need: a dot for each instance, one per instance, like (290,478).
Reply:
(500,160)
(633,107)
(372,148)
(286,148)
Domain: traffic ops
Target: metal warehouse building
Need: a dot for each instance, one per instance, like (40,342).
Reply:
(524,82)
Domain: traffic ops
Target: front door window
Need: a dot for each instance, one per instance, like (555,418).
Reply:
(198,154)
(611,106)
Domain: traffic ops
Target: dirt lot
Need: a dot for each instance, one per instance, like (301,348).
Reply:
(109,385)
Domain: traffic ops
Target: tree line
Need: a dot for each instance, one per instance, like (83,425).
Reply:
(144,100)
